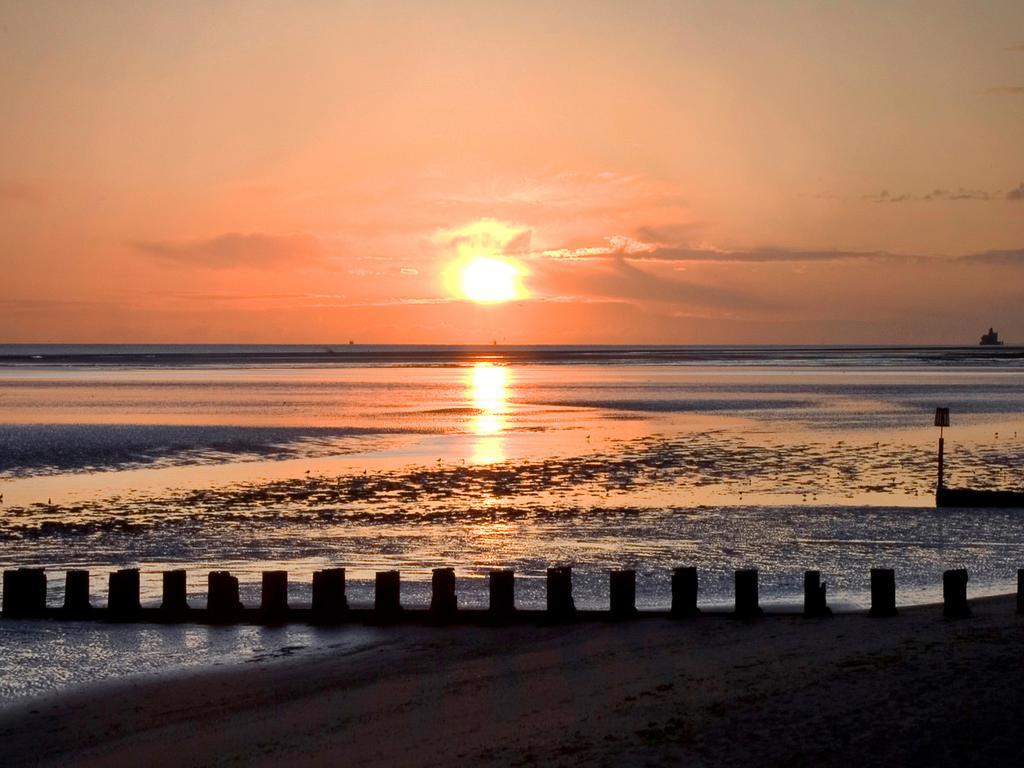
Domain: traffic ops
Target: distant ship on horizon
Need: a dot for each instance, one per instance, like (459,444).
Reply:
(991,339)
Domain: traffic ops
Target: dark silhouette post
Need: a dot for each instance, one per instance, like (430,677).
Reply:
(222,603)
(746,594)
(175,592)
(274,596)
(684,592)
(388,592)
(502,585)
(941,421)
(560,602)
(123,594)
(443,601)
(883,592)
(622,593)
(954,594)
(329,600)
(76,593)
(815,602)
(24,593)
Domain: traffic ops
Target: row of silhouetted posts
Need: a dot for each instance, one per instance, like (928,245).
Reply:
(24,594)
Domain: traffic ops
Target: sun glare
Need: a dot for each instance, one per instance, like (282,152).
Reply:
(488,280)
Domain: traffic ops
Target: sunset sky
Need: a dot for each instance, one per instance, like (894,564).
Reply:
(649,172)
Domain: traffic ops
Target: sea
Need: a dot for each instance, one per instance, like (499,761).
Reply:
(301,457)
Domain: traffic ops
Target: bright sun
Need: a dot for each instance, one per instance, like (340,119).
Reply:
(489,280)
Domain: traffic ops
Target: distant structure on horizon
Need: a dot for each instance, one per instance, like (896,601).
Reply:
(991,339)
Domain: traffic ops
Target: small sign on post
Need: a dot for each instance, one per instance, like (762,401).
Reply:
(942,417)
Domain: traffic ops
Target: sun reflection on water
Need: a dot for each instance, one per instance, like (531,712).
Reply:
(488,389)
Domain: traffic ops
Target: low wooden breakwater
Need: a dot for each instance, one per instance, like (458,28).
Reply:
(25,590)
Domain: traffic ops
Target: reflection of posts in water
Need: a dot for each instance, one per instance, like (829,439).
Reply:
(684,591)
(746,594)
(123,596)
(954,594)
(815,602)
(883,592)
(622,593)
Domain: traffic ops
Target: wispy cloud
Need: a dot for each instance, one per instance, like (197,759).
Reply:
(634,250)
(1012,257)
(234,249)
(761,255)
(618,279)
(1017,193)
(960,193)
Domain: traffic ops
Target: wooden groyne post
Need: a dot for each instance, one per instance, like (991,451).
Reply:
(622,593)
(815,602)
(684,592)
(502,588)
(330,604)
(954,594)
(76,593)
(387,600)
(560,602)
(175,592)
(24,593)
(883,592)
(123,595)
(222,603)
(747,606)
(274,596)
(443,600)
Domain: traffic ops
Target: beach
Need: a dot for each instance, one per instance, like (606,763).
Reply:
(916,689)
(300,458)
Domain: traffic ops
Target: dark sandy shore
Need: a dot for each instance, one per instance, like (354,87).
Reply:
(913,690)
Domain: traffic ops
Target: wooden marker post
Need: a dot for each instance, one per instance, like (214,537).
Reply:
(222,603)
(175,592)
(684,592)
(622,593)
(123,594)
(443,601)
(274,596)
(24,593)
(329,600)
(76,593)
(883,592)
(388,594)
(954,594)
(502,587)
(560,602)
(747,606)
(815,602)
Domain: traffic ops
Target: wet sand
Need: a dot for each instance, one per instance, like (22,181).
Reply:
(913,690)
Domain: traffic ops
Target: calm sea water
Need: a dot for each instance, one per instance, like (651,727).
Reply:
(300,457)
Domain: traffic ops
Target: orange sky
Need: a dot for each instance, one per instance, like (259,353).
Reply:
(660,172)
